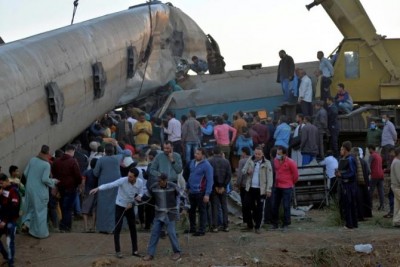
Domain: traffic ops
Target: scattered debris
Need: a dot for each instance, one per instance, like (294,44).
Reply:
(364,248)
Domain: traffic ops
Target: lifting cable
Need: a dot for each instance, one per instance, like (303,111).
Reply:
(74,11)
(148,48)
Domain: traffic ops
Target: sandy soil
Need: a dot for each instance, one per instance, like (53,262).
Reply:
(309,242)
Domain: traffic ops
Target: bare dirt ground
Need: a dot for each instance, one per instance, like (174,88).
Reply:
(311,242)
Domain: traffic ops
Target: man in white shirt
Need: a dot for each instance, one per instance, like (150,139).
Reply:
(130,118)
(130,189)
(174,132)
(305,93)
(331,165)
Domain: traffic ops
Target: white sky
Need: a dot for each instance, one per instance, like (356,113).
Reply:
(248,32)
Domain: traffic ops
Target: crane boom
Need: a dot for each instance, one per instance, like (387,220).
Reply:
(352,21)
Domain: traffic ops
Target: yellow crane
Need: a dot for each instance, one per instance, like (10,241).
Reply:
(366,62)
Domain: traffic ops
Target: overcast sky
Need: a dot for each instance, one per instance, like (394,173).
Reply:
(248,32)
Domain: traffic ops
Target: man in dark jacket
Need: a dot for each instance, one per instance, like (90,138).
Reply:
(191,135)
(309,139)
(222,177)
(262,131)
(346,174)
(66,169)
(285,73)
(333,125)
(321,122)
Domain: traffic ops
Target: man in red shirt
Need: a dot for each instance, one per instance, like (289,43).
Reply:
(375,165)
(285,179)
(66,169)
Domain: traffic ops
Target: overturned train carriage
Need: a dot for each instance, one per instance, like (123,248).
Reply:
(53,85)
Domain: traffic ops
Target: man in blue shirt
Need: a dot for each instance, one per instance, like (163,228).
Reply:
(199,173)
(327,71)
(282,132)
(199,66)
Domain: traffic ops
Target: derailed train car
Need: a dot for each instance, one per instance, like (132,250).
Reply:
(55,84)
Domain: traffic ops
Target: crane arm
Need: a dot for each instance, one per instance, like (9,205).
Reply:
(352,21)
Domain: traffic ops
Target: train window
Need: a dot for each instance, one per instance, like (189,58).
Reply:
(99,80)
(352,65)
(131,62)
(55,102)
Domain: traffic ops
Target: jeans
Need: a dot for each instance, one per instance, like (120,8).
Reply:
(285,89)
(379,184)
(155,236)
(243,193)
(196,202)
(67,202)
(217,201)
(77,205)
(9,230)
(190,148)
(129,214)
(140,147)
(344,107)
(306,158)
(285,195)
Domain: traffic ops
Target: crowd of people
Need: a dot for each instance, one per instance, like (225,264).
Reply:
(152,170)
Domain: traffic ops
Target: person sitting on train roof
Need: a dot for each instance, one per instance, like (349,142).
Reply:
(343,100)
(199,66)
